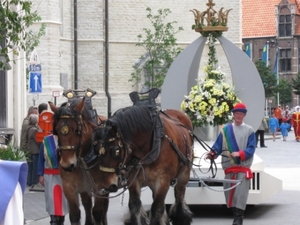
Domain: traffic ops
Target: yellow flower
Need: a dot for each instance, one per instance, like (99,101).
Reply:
(226,86)
(198,98)
(210,101)
(183,105)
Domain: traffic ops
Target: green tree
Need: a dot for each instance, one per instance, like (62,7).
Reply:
(161,49)
(285,91)
(14,29)
(268,78)
(296,84)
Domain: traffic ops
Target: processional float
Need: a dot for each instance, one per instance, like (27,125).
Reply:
(183,75)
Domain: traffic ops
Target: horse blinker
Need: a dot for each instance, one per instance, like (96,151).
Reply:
(115,152)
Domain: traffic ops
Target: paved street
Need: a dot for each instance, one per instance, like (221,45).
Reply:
(281,159)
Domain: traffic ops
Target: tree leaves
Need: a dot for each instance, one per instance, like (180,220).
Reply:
(296,84)
(268,78)
(161,48)
(285,91)
(16,17)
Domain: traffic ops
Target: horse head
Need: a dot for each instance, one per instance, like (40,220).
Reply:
(71,125)
(113,155)
(116,139)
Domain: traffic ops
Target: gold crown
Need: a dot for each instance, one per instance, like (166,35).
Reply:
(210,20)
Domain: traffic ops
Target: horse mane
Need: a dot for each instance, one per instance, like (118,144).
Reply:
(67,109)
(132,119)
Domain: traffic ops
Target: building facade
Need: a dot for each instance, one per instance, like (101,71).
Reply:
(275,24)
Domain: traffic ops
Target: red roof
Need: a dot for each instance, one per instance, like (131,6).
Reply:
(258,18)
(297,3)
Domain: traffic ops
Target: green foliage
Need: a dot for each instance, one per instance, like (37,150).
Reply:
(14,29)
(212,60)
(215,34)
(296,84)
(268,78)
(161,48)
(11,153)
(285,91)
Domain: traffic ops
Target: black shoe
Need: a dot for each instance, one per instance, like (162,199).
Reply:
(264,146)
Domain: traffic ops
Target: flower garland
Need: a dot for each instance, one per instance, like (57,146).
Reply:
(210,101)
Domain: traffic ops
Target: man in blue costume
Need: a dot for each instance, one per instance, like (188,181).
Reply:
(236,144)
(56,202)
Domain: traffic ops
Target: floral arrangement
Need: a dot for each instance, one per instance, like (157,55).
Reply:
(210,101)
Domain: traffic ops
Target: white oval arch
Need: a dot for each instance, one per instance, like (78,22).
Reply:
(183,73)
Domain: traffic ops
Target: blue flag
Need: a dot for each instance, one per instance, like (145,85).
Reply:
(248,50)
(275,63)
(264,57)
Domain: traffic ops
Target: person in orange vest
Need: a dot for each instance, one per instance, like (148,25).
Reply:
(278,114)
(295,121)
(45,122)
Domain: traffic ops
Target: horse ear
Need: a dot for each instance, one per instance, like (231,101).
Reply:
(80,106)
(53,107)
(93,126)
(114,127)
(112,124)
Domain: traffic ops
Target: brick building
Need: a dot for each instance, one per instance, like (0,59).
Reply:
(274,23)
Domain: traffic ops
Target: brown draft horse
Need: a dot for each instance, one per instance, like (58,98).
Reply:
(78,164)
(138,149)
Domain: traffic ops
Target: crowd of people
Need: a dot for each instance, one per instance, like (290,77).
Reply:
(43,172)
(29,143)
(283,120)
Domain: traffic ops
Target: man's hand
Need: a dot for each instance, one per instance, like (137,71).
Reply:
(41,180)
(235,154)
(211,155)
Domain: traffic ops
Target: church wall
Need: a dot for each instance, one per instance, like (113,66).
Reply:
(126,20)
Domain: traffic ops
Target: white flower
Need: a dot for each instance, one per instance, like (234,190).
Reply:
(211,100)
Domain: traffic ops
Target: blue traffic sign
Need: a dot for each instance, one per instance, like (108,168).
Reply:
(35,67)
(35,82)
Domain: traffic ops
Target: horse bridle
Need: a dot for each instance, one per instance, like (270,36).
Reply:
(116,154)
(65,130)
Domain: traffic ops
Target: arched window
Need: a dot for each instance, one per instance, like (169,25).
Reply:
(285,21)
(285,59)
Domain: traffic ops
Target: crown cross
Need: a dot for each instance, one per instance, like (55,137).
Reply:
(210,20)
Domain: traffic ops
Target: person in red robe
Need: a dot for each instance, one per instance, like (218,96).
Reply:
(295,121)
(278,114)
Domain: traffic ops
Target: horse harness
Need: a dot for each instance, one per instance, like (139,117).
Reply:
(158,133)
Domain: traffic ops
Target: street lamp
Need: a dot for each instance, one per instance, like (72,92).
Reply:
(277,70)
